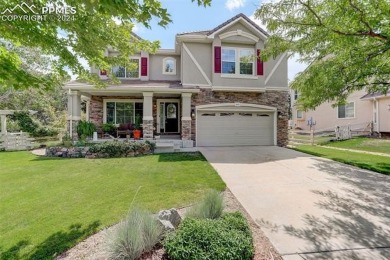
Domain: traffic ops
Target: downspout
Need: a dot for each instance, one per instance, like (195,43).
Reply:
(377,116)
(71,115)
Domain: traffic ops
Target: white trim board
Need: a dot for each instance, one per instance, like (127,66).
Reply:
(235,21)
(196,63)
(274,68)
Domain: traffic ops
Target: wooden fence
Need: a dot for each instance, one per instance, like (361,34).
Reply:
(345,132)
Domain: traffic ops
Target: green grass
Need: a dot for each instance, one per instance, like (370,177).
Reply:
(376,163)
(364,144)
(48,205)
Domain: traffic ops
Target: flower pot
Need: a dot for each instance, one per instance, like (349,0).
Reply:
(137,134)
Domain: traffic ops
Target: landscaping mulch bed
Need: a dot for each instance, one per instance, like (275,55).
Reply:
(93,247)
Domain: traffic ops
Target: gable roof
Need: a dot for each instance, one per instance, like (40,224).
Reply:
(231,20)
(374,95)
(240,15)
(136,36)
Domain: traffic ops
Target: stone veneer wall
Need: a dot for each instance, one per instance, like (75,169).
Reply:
(186,129)
(278,99)
(147,129)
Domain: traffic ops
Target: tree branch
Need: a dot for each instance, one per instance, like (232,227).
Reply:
(312,11)
(361,15)
(369,33)
(361,34)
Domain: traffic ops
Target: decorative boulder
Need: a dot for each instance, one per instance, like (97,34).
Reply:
(170,215)
(166,225)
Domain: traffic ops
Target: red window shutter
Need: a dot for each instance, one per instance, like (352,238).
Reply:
(217,59)
(260,64)
(144,66)
(103,72)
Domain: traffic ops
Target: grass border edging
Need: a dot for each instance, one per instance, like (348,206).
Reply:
(360,165)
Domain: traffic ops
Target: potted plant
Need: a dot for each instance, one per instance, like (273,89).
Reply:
(85,129)
(137,127)
(108,128)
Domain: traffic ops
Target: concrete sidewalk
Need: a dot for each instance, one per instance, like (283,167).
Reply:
(309,207)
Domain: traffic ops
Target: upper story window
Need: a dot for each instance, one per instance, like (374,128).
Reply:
(130,71)
(169,66)
(239,61)
(296,95)
(346,111)
(299,114)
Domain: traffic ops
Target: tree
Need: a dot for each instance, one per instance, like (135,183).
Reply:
(346,43)
(87,29)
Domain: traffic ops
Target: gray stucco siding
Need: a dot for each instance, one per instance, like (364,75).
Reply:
(156,67)
(203,55)
(279,77)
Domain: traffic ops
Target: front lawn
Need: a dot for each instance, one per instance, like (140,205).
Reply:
(365,161)
(364,144)
(48,205)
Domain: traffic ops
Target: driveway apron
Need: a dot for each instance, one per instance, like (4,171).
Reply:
(309,207)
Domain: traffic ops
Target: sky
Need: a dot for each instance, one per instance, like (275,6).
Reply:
(187,16)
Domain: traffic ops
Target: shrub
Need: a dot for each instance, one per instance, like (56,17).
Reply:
(135,235)
(33,127)
(226,238)
(210,207)
(108,128)
(85,129)
(119,149)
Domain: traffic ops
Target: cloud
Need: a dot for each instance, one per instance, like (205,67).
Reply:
(234,4)
(270,1)
(136,28)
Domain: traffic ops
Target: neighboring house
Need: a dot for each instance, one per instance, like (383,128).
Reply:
(360,109)
(211,88)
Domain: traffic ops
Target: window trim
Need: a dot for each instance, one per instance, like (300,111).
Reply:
(299,118)
(237,63)
(296,95)
(174,66)
(105,101)
(354,111)
(139,69)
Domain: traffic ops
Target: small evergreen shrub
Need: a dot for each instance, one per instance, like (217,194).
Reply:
(135,235)
(228,237)
(119,149)
(210,207)
(33,127)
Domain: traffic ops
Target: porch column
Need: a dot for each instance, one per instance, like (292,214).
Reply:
(3,124)
(147,120)
(74,112)
(186,116)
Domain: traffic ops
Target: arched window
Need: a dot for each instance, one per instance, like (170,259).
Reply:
(169,66)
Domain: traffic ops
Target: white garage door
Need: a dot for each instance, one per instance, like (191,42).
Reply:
(235,128)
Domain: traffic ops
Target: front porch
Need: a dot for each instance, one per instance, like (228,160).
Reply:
(163,113)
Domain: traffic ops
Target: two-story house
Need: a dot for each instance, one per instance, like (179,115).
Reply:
(212,88)
(359,112)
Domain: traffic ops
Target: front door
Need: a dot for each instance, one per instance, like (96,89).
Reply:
(169,116)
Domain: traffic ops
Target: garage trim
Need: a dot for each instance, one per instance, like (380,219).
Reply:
(235,107)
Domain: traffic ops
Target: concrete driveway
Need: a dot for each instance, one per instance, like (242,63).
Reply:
(309,207)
